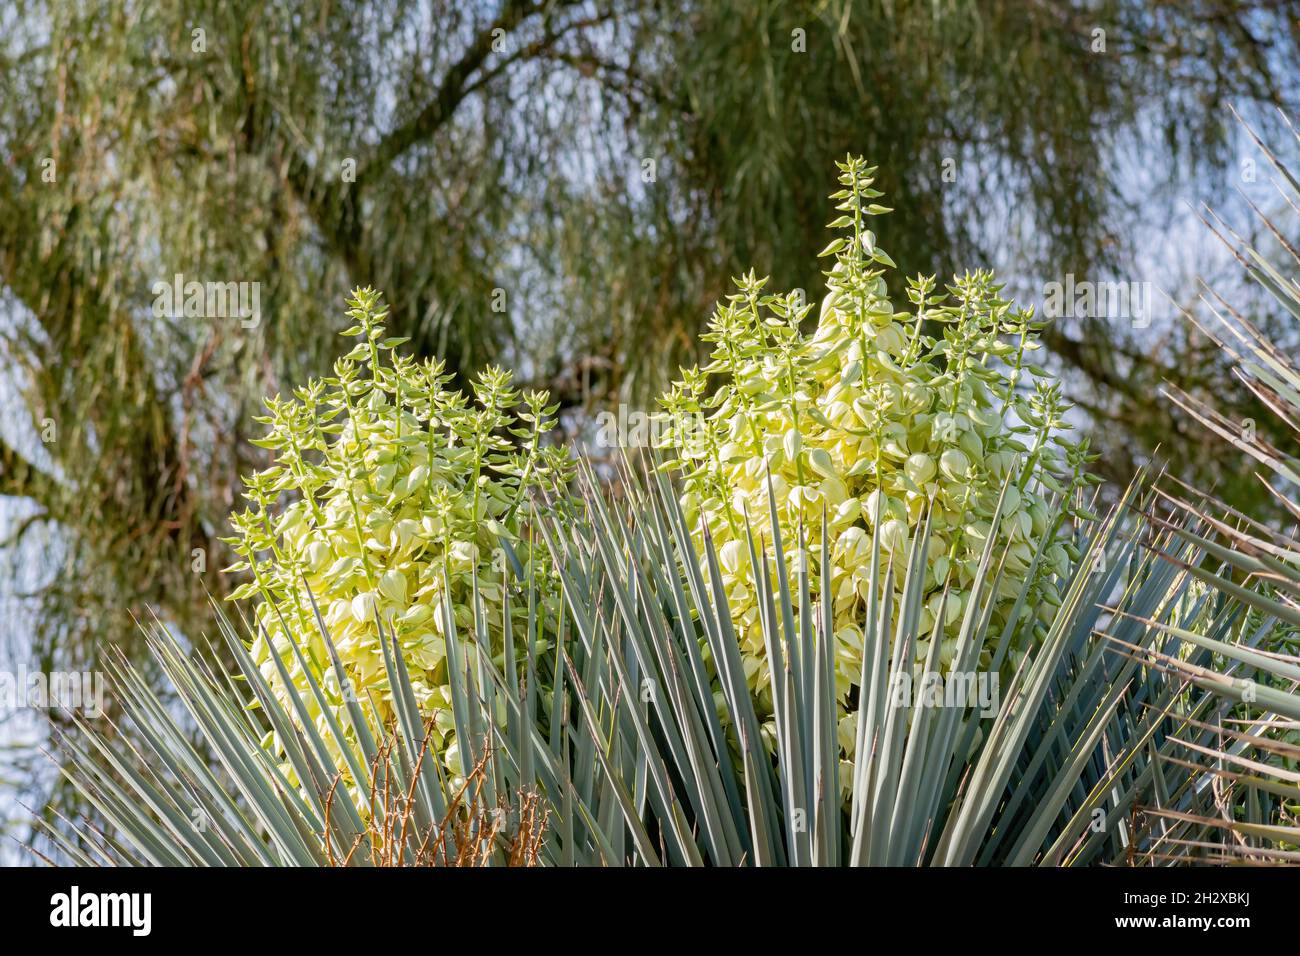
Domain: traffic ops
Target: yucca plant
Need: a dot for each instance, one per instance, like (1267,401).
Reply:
(767,617)
(862,432)
(649,764)
(1145,721)
(1088,727)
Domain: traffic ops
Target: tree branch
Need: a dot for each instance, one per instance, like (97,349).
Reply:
(21,479)
(454,88)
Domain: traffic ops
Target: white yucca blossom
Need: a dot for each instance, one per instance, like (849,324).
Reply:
(391,499)
(874,420)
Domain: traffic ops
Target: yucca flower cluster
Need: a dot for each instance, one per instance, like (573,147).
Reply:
(875,420)
(391,498)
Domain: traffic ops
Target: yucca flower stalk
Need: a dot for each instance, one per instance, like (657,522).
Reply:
(873,422)
(391,499)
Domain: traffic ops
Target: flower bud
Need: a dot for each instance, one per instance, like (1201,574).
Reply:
(392,585)
(820,460)
(363,607)
(731,555)
(954,464)
(920,468)
(792,443)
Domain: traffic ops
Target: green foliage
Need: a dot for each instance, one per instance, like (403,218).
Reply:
(391,499)
(655,763)
(1099,717)
(233,805)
